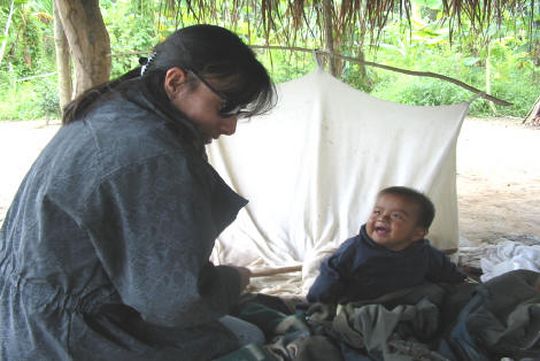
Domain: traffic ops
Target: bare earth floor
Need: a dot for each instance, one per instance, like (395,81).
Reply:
(498,175)
(498,180)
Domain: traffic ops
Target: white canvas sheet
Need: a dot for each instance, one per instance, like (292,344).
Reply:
(311,170)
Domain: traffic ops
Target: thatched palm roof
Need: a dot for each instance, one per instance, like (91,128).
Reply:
(285,21)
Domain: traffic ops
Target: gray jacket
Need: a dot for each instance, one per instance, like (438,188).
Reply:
(104,251)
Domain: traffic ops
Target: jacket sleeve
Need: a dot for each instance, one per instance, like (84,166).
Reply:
(441,269)
(152,227)
(331,282)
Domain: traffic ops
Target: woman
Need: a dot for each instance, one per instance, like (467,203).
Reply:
(105,249)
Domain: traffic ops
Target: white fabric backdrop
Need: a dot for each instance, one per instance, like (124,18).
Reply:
(311,170)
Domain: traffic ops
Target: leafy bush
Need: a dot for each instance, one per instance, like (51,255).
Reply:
(432,92)
(47,100)
(131,35)
(521,92)
(36,99)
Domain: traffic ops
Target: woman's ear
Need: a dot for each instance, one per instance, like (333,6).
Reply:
(174,79)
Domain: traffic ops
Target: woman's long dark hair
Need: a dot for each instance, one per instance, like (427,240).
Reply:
(209,51)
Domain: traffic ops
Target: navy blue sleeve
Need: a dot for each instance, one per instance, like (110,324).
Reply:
(441,269)
(331,282)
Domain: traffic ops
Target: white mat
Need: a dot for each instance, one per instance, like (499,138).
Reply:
(312,168)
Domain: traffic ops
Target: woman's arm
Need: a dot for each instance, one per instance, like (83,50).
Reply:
(152,227)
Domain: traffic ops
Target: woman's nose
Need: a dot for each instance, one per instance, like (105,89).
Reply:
(228,126)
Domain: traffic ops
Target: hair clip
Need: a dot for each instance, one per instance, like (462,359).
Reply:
(145,62)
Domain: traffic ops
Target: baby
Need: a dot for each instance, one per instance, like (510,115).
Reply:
(390,253)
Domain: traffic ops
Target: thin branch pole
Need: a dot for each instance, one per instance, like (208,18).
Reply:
(44,75)
(275,271)
(487,74)
(429,74)
(6,30)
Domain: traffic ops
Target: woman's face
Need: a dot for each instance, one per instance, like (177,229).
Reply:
(200,104)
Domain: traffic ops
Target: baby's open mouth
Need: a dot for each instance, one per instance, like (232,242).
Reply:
(382,230)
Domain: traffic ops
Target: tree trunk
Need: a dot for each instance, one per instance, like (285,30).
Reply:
(6,30)
(63,65)
(329,34)
(488,75)
(366,83)
(533,117)
(88,41)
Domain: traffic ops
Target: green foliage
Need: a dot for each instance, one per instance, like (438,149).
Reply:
(512,76)
(519,90)
(132,33)
(33,99)
(418,92)
(47,99)
(298,64)
(31,42)
(27,69)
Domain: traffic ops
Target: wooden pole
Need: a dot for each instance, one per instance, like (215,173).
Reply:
(275,271)
(6,29)
(328,34)
(429,74)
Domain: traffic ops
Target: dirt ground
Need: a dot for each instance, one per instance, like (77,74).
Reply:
(498,174)
(498,180)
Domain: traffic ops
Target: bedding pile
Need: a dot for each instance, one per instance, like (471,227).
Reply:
(477,322)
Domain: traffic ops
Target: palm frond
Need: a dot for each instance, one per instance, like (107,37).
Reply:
(286,21)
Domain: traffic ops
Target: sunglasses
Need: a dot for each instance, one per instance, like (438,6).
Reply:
(228,109)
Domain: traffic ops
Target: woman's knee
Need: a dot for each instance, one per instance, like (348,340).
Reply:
(245,332)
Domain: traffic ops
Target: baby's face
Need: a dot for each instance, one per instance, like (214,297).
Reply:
(393,223)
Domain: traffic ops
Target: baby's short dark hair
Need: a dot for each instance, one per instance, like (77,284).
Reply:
(427,209)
